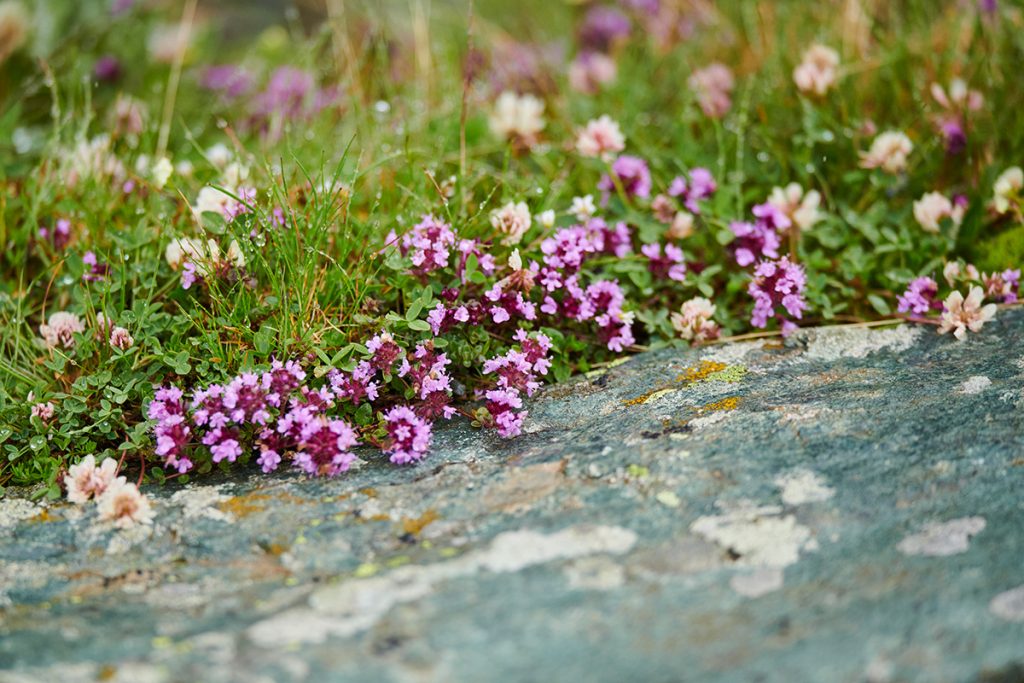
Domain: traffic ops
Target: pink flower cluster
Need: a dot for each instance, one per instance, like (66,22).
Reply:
(761,238)
(752,241)
(921,297)
(517,372)
(428,245)
(777,283)
(276,414)
(671,265)
(691,190)
(631,174)
(553,288)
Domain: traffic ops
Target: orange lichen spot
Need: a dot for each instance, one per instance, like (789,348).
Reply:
(243,506)
(43,516)
(689,376)
(276,549)
(644,398)
(699,373)
(728,403)
(415,526)
(369,492)
(287,497)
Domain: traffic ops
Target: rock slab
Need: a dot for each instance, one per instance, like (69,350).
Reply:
(844,506)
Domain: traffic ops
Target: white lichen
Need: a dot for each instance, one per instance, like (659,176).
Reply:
(758,582)
(940,539)
(355,606)
(802,486)
(830,344)
(1009,605)
(201,502)
(757,536)
(975,385)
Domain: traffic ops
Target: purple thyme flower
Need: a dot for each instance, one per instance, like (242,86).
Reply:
(502,404)
(409,435)
(671,265)
(568,248)
(325,447)
(699,186)
(921,296)
(227,79)
(601,27)
(107,69)
(429,243)
(632,174)
(777,283)
(752,241)
(613,240)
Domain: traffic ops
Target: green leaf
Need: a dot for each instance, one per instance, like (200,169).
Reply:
(413,313)
(879,304)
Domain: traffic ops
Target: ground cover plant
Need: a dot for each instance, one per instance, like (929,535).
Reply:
(300,240)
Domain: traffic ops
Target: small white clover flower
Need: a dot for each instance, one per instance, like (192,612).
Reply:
(961,315)
(519,117)
(801,207)
(1007,188)
(85,480)
(161,172)
(511,221)
(123,504)
(888,152)
(818,72)
(547,218)
(601,138)
(583,207)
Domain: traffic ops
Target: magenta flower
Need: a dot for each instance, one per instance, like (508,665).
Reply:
(699,186)
(632,174)
(429,245)
(771,217)
(227,79)
(281,380)
(777,283)
(107,68)
(245,400)
(506,304)
(59,236)
(171,433)
(921,297)
(535,349)
(357,385)
(614,240)
(502,405)
(602,27)
(753,241)
(385,351)
(409,435)
(427,373)
(325,447)
(97,271)
(671,265)
(441,318)
(568,248)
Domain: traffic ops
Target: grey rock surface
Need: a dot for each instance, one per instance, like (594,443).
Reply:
(847,506)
